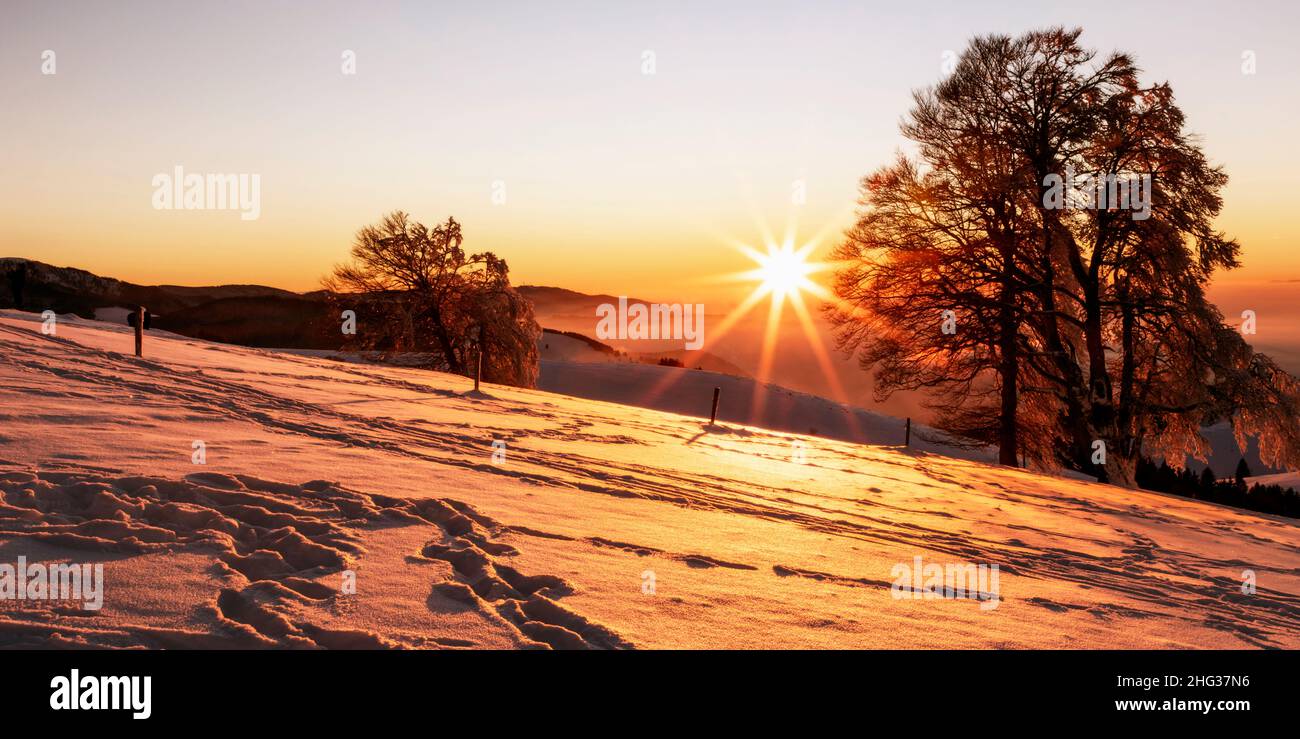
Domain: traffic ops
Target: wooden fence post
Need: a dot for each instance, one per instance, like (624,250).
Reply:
(478,372)
(713,417)
(139,330)
(907,438)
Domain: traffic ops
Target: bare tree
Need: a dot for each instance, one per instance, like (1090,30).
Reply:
(429,295)
(1086,322)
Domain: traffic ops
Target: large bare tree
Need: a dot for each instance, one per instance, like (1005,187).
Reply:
(1085,320)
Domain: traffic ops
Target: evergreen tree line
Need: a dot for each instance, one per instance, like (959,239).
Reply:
(1205,486)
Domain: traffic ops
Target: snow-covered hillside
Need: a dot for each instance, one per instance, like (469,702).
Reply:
(595,525)
(1281,479)
(572,367)
(742,400)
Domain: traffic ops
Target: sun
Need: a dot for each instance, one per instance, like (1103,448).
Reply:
(782,274)
(783,271)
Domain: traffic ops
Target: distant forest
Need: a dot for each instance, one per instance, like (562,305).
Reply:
(1205,486)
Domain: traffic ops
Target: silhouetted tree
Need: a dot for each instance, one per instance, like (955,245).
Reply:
(17,282)
(432,296)
(1243,471)
(1078,323)
(1207,478)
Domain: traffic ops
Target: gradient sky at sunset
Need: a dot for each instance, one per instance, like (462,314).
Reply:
(616,181)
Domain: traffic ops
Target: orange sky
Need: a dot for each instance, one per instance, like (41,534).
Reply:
(616,181)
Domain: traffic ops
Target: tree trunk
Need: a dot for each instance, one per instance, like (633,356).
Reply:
(1121,469)
(1129,447)
(444,342)
(1101,411)
(1075,422)
(1009,363)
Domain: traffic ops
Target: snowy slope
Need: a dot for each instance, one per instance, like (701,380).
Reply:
(317,468)
(571,367)
(742,400)
(1282,479)
(552,345)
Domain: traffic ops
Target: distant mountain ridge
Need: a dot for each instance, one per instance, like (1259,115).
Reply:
(238,314)
(234,314)
(70,290)
(559,301)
